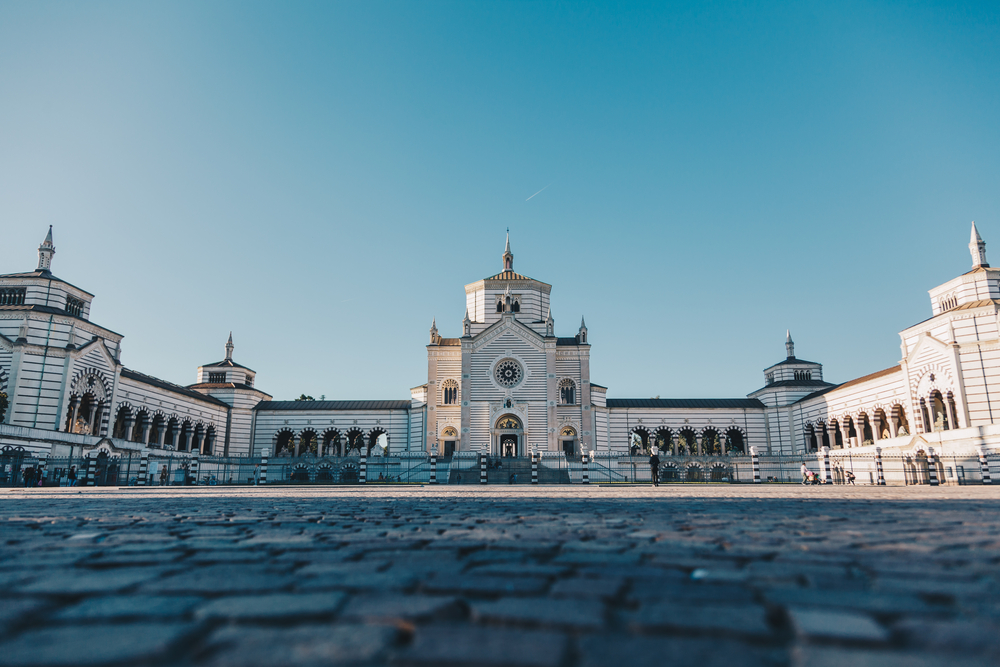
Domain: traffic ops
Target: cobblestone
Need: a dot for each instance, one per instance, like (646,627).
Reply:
(562,576)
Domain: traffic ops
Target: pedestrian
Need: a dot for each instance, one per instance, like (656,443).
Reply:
(256,474)
(163,476)
(29,476)
(850,477)
(654,465)
(71,475)
(805,473)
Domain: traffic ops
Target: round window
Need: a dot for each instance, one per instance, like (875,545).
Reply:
(508,373)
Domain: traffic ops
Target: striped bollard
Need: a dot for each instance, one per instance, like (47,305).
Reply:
(434,467)
(363,474)
(263,466)
(482,469)
(586,470)
(143,468)
(534,467)
(984,467)
(932,477)
(91,468)
(826,466)
(194,469)
(878,466)
(43,460)
(755,462)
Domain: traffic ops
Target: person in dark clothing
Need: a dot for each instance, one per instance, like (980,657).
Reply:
(654,465)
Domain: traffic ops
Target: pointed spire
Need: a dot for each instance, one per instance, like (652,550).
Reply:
(582,336)
(977,246)
(466,324)
(434,332)
(508,256)
(45,252)
(550,324)
(789,345)
(230,347)
(583,323)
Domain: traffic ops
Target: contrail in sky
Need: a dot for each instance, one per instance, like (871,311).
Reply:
(539,192)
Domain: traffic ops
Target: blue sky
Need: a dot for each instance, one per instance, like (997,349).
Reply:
(324,178)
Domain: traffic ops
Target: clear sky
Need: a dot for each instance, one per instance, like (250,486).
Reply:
(324,178)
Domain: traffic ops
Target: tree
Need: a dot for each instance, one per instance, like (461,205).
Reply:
(303,397)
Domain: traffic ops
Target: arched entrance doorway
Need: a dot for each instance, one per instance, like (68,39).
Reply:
(508,436)
(567,438)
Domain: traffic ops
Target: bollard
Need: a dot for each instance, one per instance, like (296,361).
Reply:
(363,475)
(143,468)
(194,469)
(984,467)
(434,465)
(586,470)
(826,466)
(932,477)
(878,466)
(755,462)
(91,468)
(263,466)
(534,467)
(482,469)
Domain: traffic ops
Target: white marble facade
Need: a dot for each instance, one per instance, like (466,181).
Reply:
(507,385)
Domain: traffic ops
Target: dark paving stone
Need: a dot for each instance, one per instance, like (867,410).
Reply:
(222,579)
(302,646)
(545,613)
(91,645)
(468,645)
(277,606)
(390,608)
(129,606)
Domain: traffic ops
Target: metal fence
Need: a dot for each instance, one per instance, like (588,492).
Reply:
(20,467)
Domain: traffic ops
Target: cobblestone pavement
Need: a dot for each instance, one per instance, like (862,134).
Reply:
(560,576)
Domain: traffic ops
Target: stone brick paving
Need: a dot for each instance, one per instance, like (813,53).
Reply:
(546,576)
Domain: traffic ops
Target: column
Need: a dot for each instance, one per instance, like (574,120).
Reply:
(93,418)
(175,437)
(845,435)
(187,440)
(952,418)
(876,427)
(129,423)
(698,440)
(892,425)
(298,441)
(673,442)
(74,404)
(162,435)
(147,425)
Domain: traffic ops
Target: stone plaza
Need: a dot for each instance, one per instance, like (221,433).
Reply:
(501,575)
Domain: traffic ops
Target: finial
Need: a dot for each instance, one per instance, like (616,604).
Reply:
(977,246)
(582,336)
(45,252)
(789,345)
(466,324)
(583,323)
(229,347)
(508,256)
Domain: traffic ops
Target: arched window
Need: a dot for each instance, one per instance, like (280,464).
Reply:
(516,307)
(567,392)
(449,390)
(509,423)
(803,375)
(499,305)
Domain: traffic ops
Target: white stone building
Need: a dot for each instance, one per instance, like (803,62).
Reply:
(506,386)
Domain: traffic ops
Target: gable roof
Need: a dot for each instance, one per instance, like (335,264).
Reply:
(170,386)
(864,378)
(333,405)
(686,403)
(229,363)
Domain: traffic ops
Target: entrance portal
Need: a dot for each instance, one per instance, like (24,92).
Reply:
(508,445)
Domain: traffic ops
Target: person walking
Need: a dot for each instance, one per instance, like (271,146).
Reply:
(805,473)
(256,475)
(654,465)
(71,475)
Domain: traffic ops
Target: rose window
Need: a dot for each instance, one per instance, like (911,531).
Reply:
(508,373)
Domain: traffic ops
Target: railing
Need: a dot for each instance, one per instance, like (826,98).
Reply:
(179,469)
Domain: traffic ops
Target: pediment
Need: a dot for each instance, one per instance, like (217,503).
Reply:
(97,344)
(926,342)
(508,325)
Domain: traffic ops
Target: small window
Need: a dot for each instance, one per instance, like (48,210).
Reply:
(567,392)
(803,375)
(516,308)
(500,306)
(249,380)
(12,296)
(74,306)
(450,388)
(769,378)
(216,378)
